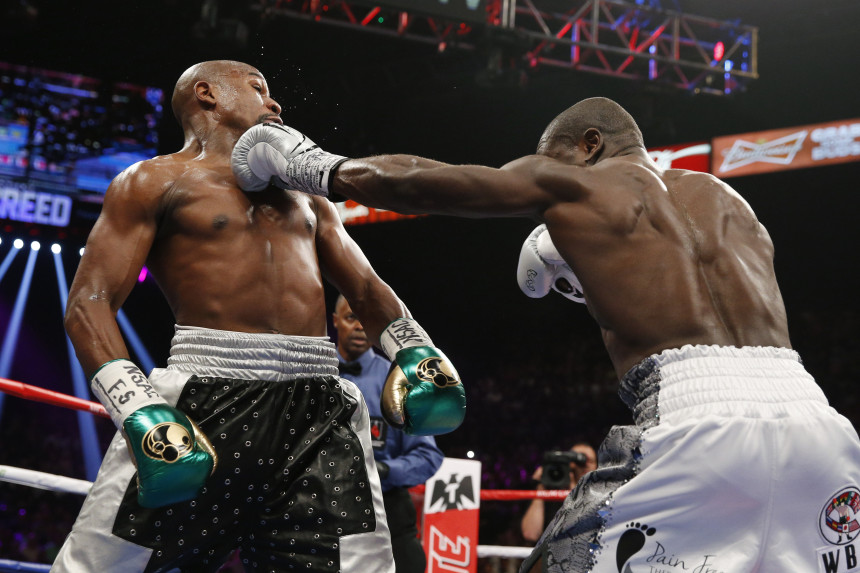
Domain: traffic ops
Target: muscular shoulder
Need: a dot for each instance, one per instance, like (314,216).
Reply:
(557,180)
(146,181)
(709,189)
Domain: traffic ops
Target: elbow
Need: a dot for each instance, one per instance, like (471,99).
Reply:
(74,317)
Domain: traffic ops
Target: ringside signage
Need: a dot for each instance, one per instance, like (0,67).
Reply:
(692,156)
(19,203)
(790,148)
(352,213)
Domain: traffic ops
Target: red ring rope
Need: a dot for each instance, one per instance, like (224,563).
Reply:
(37,394)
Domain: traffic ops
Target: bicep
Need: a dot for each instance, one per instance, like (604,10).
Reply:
(117,246)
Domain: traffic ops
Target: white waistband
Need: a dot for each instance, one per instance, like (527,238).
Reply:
(747,381)
(250,356)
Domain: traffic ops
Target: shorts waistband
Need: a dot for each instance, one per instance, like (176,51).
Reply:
(250,356)
(755,381)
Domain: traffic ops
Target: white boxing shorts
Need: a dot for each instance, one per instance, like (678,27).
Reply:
(295,486)
(736,464)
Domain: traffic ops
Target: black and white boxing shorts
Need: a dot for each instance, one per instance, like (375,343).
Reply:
(736,464)
(295,487)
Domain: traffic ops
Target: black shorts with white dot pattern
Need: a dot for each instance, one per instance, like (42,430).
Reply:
(291,480)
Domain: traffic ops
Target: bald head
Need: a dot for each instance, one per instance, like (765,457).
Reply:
(340,304)
(614,123)
(183,101)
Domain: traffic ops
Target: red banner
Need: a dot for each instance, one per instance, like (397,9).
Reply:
(692,156)
(352,213)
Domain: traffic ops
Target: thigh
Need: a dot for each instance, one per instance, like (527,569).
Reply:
(325,512)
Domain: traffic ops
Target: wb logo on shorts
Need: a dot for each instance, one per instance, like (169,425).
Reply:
(167,442)
(839,523)
(438,371)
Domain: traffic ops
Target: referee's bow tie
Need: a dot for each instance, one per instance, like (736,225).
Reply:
(353,368)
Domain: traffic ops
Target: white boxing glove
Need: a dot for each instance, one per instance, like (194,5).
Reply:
(542,268)
(280,155)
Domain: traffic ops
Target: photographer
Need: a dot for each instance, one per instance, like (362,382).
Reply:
(540,512)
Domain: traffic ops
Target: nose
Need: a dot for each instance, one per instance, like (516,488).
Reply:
(275,107)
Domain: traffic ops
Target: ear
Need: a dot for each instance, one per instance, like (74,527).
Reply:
(204,93)
(592,142)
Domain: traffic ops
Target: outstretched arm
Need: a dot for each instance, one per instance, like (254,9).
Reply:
(409,184)
(404,183)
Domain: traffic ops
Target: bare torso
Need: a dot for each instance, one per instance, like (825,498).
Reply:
(667,259)
(232,260)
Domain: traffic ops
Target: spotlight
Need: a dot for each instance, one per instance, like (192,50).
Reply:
(35,245)
(18,244)
(81,252)
(55,248)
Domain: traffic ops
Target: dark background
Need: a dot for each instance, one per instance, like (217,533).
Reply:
(537,374)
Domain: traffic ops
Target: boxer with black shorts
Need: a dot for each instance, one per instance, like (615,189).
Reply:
(736,462)
(248,439)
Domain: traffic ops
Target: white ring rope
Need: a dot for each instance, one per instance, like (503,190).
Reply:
(504,551)
(44,480)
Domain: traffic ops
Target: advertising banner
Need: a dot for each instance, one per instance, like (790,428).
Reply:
(789,148)
(451,504)
(692,156)
(352,213)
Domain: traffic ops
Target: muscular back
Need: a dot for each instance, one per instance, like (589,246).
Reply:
(236,261)
(667,259)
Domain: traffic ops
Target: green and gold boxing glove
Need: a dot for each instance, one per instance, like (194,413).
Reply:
(423,394)
(173,457)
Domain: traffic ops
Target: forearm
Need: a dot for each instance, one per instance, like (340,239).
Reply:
(93,330)
(377,306)
(384,182)
(532,522)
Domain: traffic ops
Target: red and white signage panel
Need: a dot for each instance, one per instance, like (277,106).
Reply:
(692,156)
(352,213)
(452,499)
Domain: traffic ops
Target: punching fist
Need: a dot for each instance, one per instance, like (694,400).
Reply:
(542,268)
(269,153)
(423,395)
(173,457)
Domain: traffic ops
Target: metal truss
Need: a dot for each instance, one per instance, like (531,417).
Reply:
(635,41)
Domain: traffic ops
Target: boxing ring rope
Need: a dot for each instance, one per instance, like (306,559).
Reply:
(51,482)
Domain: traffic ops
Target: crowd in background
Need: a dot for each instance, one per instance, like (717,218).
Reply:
(69,118)
(544,395)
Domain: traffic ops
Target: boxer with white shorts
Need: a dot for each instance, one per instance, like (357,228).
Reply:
(736,462)
(726,441)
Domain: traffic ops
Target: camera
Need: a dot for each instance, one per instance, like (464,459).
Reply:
(556,468)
